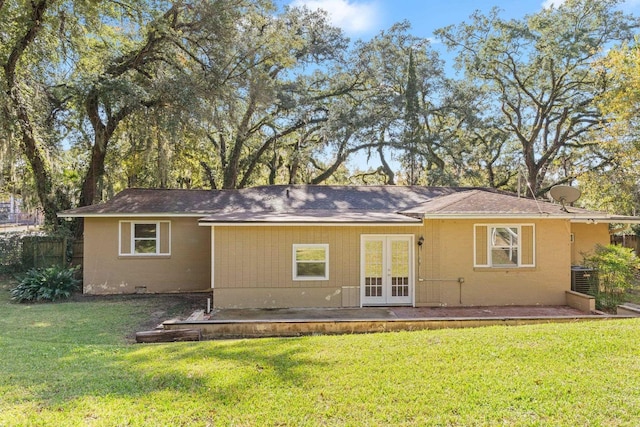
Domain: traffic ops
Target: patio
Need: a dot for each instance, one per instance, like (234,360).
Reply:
(234,323)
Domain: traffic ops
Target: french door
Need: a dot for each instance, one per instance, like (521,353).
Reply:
(386,273)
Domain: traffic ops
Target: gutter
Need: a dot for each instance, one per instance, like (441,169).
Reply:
(581,219)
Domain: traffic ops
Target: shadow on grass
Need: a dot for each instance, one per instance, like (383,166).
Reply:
(53,354)
(225,372)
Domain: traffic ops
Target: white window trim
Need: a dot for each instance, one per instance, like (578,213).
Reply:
(132,239)
(489,228)
(295,263)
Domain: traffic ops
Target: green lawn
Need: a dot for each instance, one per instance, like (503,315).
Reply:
(70,364)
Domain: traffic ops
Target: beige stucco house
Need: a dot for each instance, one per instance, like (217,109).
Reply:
(338,246)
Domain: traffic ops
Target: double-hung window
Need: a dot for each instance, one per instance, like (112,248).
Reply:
(145,238)
(310,262)
(504,246)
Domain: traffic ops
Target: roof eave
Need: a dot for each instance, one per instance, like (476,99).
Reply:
(606,219)
(132,215)
(523,215)
(573,218)
(481,215)
(309,223)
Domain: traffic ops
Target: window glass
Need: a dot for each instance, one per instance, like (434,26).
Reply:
(310,262)
(145,231)
(145,239)
(311,269)
(504,246)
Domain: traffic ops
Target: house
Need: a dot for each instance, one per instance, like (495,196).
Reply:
(338,246)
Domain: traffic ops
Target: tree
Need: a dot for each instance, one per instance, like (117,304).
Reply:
(479,152)
(400,104)
(75,71)
(121,76)
(267,110)
(413,131)
(540,76)
(616,187)
(621,100)
(28,112)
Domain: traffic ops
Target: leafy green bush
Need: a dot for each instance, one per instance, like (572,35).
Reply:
(46,284)
(10,252)
(617,269)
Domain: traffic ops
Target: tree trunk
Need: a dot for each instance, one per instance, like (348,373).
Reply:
(210,175)
(294,163)
(89,194)
(386,168)
(28,141)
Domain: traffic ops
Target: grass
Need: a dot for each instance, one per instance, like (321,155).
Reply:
(71,363)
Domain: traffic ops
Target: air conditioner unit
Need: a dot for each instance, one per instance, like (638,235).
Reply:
(582,279)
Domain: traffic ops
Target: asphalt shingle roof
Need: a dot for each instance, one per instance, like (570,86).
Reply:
(318,203)
(475,201)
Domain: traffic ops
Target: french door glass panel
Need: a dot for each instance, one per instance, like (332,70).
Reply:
(386,270)
(399,268)
(373,268)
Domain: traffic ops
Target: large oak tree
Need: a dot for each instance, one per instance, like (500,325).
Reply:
(538,74)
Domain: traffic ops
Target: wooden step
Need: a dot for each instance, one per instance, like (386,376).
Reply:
(169,335)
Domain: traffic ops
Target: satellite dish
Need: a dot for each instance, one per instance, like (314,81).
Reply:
(565,194)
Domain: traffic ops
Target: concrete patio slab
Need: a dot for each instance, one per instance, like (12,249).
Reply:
(303,313)
(234,323)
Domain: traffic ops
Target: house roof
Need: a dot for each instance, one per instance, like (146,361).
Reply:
(306,204)
(474,201)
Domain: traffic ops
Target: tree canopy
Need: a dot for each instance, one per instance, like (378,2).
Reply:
(99,96)
(541,83)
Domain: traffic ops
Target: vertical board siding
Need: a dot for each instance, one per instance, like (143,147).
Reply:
(257,261)
(165,237)
(482,258)
(125,237)
(528,245)
(262,257)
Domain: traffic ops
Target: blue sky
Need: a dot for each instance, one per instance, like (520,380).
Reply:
(365,18)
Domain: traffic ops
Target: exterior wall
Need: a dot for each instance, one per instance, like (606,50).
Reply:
(586,237)
(449,277)
(187,268)
(254,265)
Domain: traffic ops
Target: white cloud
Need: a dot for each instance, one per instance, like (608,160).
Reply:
(352,17)
(554,3)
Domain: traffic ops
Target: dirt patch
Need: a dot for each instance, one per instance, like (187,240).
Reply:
(160,307)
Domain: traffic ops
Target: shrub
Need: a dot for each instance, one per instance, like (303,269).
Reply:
(10,252)
(617,269)
(47,284)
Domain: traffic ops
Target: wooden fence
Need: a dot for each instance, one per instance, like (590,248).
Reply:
(627,241)
(44,251)
(77,251)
